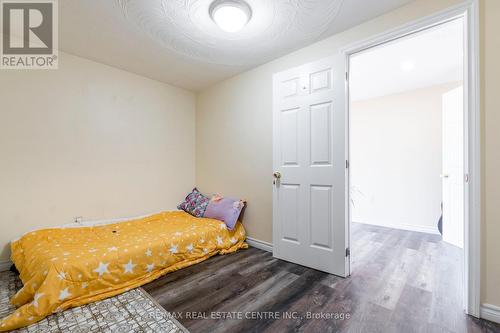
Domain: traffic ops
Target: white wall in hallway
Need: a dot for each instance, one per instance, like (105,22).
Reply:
(396,159)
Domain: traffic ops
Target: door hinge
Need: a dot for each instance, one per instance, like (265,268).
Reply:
(347,76)
(347,252)
(347,164)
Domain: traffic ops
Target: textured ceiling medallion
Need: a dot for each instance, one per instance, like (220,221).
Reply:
(230,15)
(277,26)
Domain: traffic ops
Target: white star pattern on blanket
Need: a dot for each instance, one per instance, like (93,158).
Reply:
(63,294)
(103,268)
(36,298)
(129,267)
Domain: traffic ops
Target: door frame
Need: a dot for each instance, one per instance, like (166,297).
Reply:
(469,11)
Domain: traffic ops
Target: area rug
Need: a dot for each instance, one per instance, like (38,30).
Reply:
(133,311)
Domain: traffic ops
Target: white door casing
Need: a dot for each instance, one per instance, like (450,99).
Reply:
(453,167)
(309,199)
(468,10)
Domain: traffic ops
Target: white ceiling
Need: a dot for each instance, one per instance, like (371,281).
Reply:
(437,56)
(174,41)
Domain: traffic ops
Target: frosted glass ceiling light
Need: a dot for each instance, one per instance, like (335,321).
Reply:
(230,15)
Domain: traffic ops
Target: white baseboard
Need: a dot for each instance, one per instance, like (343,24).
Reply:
(490,312)
(409,227)
(5,265)
(266,246)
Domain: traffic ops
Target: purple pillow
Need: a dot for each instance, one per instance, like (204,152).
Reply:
(226,210)
(195,203)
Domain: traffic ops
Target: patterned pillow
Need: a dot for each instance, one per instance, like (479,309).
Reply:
(195,203)
(226,210)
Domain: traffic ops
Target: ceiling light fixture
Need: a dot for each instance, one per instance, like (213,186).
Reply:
(407,65)
(230,15)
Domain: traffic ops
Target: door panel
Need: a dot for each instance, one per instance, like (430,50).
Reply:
(453,168)
(289,129)
(289,88)
(289,212)
(321,215)
(321,134)
(309,198)
(321,80)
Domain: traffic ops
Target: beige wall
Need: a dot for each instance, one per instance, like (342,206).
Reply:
(490,89)
(234,122)
(396,158)
(90,140)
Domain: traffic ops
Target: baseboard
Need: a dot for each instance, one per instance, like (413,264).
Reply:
(5,265)
(490,312)
(409,227)
(266,246)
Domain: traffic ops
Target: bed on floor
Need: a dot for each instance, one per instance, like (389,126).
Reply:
(66,267)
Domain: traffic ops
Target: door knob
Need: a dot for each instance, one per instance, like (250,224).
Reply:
(277,176)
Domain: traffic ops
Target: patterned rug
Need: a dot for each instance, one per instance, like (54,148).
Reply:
(133,311)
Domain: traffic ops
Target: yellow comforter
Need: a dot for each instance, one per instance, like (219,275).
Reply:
(67,267)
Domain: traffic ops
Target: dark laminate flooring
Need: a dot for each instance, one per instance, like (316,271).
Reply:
(401,282)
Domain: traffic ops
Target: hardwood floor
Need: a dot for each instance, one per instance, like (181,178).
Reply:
(402,282)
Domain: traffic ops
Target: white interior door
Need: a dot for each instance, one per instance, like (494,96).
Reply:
(453,167)
(309,203)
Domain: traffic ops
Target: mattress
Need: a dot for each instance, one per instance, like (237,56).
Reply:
(66,267)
